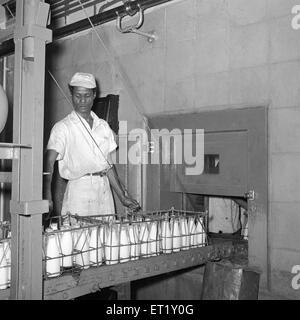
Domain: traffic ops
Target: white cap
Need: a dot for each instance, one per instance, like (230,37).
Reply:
(85,80)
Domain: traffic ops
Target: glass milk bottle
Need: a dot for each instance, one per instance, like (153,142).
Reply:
(124,243)
(82,259)
(176,235)
(200,233)
(3,269)
(184,233)
(144,238)
(133,237)
(96,253)
(191,225)
(66,244)
(166,236)
(153,238)
(52,255)
(137,229)
(112,245)
(7,253)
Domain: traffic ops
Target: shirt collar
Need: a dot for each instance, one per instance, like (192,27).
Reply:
(74,117)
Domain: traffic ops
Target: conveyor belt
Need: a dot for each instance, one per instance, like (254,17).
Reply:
(94,279)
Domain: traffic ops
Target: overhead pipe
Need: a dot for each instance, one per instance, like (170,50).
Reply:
(8,46)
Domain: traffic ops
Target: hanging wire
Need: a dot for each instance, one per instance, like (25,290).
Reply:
(70,103)
(8,9)
(125,81)
(113,60)
(88,131)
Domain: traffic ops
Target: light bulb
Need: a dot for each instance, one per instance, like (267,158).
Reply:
(3,108)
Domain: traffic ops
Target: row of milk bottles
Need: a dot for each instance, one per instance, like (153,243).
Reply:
(5,262)
(182,233)
(148,237)
(118,241)
(76,245)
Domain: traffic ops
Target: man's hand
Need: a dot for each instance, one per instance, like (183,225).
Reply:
(50,206)
(47,215)
(132,204)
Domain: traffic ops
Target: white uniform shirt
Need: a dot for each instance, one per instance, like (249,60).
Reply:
(77,152)
(78,155)
(223,215)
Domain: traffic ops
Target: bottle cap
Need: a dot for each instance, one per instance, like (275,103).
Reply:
(53,226)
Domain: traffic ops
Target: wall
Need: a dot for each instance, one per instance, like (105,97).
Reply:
(210,54)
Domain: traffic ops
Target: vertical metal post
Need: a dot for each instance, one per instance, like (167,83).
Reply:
(28,113)
(4,68)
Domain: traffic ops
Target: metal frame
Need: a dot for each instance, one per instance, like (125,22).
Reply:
(94,279)
(254,122)
(27,207)
(7,47)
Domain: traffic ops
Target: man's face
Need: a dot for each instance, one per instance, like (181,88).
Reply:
(83,99)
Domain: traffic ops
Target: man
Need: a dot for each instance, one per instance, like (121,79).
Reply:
(227,216)
(82,143)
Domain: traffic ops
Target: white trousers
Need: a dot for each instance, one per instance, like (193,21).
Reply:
(87,196)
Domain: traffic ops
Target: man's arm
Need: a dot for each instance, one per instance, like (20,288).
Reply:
(118,188)
(241,202)
(50,158)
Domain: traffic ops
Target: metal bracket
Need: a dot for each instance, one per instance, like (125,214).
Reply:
(130,8)
(33,30)
(28,208)
(133,29)
(250,195)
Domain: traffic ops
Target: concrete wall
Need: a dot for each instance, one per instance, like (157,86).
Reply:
(210,54)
